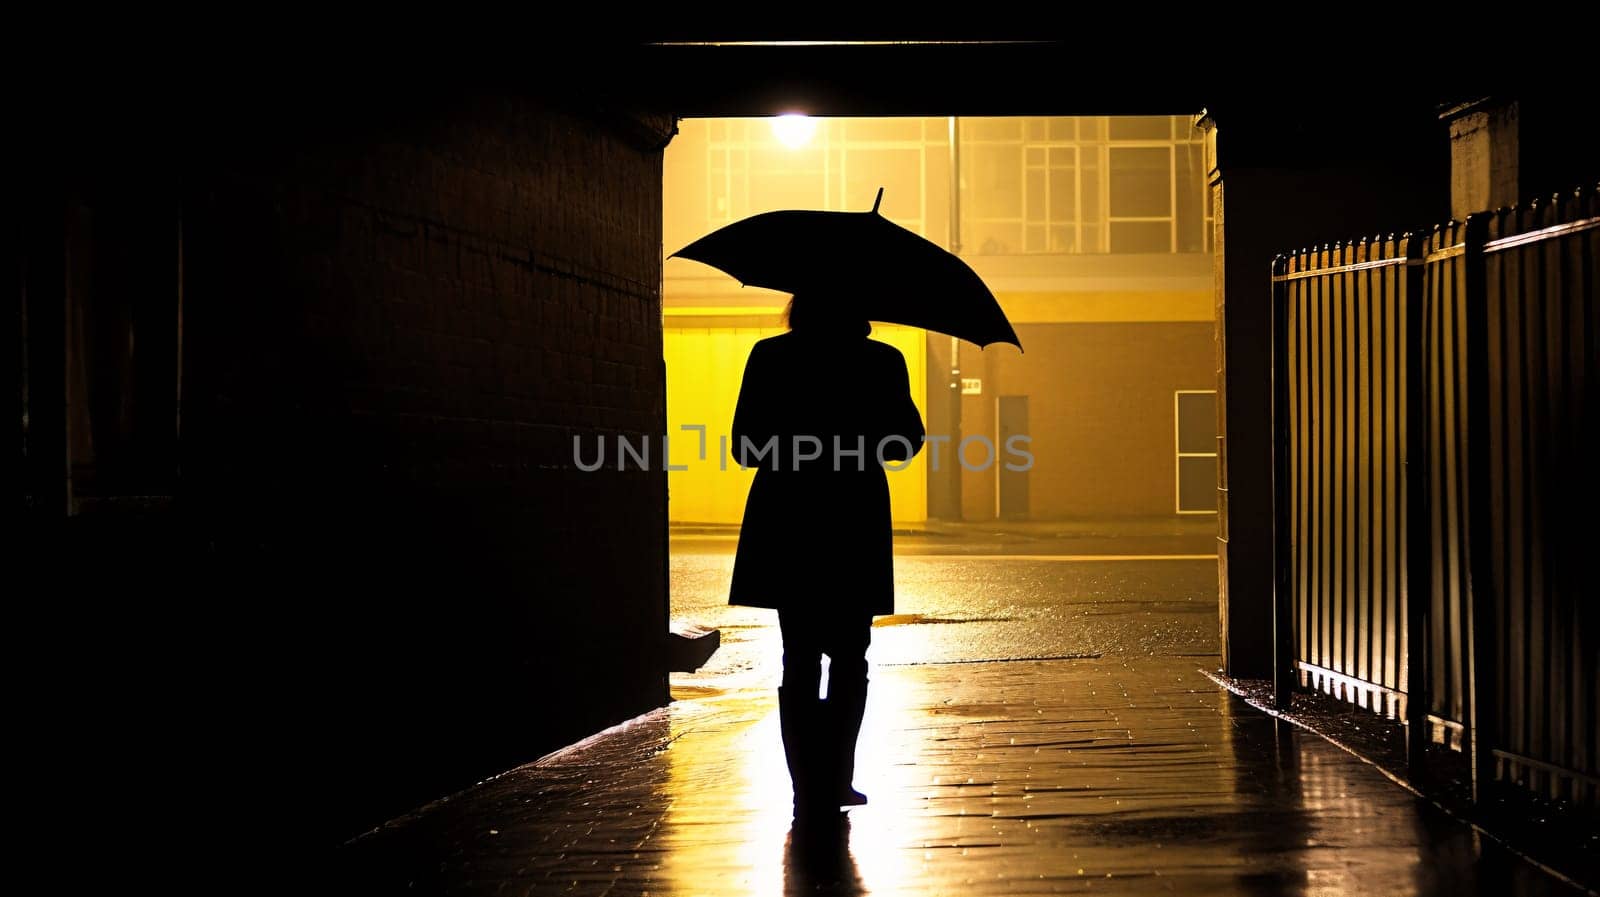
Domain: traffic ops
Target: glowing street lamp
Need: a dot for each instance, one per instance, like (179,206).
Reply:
(794,130)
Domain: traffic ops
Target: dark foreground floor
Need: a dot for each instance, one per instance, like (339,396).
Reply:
(1118,774)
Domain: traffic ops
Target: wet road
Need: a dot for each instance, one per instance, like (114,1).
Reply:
(1008,601)
(1059,737)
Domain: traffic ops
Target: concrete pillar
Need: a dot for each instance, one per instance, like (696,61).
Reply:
(1508,150)
(1483,156)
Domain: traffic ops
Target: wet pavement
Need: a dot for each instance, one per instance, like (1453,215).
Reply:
(1035,725)
(991,595)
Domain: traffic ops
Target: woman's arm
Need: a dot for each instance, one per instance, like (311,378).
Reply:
(900,416)
(753,423)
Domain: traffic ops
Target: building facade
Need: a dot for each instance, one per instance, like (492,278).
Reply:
(1093,232)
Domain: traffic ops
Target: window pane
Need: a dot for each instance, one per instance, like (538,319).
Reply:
(1141,182)
(1036,238)
(991,128)
(1063,196)
(897,171)
(788,180)
(994,181)
(1036,207)
(1091,208)
(1062,239)
(1036,129)
(1197,422)
(717,184)
(1063,129)
(1190,190)
(1091,239)
(739,182)
(1141,236)
(992,237)
(1197,484)
(865,129)
(1141,127)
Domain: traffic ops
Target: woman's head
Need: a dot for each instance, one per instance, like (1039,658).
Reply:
(811,313)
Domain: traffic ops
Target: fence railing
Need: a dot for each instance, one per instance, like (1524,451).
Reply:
(1435,480)
(1445,390)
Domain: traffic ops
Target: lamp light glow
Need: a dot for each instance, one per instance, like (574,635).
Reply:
(794,130)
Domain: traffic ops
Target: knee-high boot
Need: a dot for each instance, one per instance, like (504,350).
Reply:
(801,722)
(847,704)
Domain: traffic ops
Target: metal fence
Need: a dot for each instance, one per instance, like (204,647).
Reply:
(1444,387)
(1435,458)
(1345,311)
(1537,490)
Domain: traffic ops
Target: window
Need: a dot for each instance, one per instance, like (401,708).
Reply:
(839,166)
(1028,185)
(1195,437)
(1140,217)
(1133,184)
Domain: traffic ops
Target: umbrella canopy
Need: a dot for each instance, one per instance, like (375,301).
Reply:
(885,272)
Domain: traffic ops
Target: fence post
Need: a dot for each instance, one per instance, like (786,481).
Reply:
(1282,546)
(1482,662)
(1419,561)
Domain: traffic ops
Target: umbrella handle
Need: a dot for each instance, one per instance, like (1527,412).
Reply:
(878,200)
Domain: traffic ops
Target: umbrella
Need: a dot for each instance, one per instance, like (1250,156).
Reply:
(888,273)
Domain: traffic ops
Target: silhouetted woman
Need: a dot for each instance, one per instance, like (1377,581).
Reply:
(821,409)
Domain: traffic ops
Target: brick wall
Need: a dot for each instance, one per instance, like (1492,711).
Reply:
(396,318)
(1100,414)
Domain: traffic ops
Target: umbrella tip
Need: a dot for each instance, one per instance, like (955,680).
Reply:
(878,200)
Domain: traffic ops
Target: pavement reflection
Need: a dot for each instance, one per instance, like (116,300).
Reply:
(1035,725)
(1122,775)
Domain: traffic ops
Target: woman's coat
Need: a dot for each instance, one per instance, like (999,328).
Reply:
(816,527)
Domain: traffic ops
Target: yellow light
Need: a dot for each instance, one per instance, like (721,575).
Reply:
(794,130)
